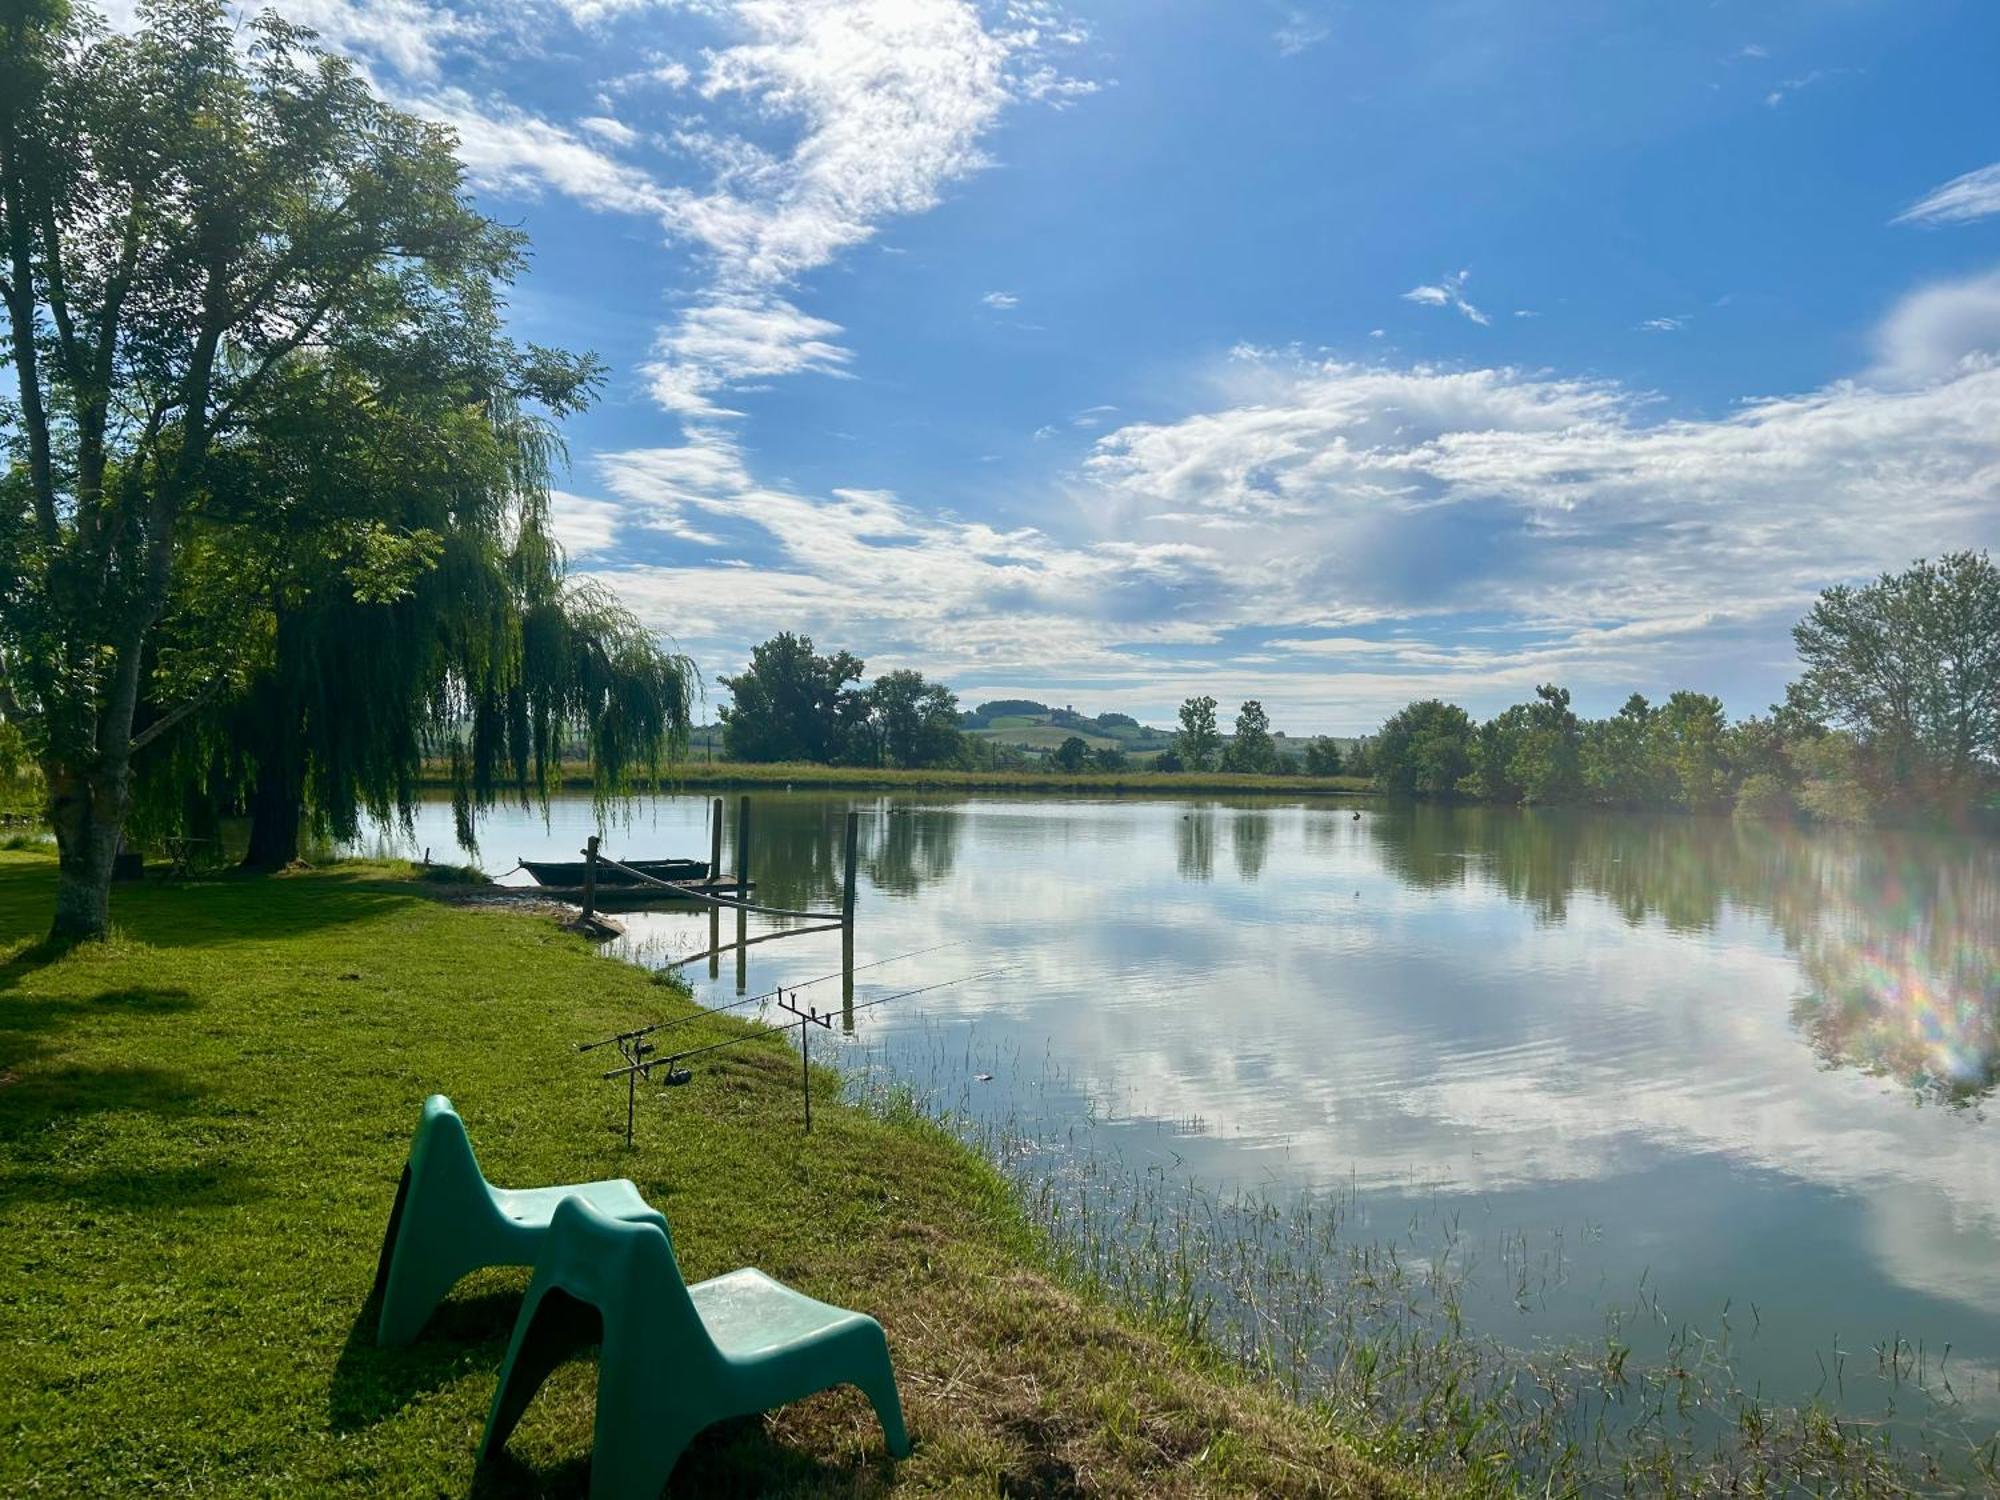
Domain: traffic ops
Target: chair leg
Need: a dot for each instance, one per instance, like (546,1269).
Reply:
(878,1384)
(550,1329)
(389,1235)
(410,1294)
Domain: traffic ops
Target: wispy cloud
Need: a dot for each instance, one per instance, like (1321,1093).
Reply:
(1790,86)
(888,101)
(1301,31)
(1001,301)
(1450,292)
(508,149)
(1664,325)
(1975,195)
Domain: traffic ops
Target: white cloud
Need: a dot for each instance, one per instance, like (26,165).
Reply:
(1663,325)
(1941,330)
(1449,292)
(1360,534)
(1301,32)
(611,131)
(886,102)
(1975,195)
(1001,301)
(734,337)
(585,528)
(1790,86)
(507,149)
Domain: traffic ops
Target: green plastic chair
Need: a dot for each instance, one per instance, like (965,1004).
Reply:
(675,1357)
(449,1221)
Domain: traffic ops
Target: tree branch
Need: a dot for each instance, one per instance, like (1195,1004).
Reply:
(174,715)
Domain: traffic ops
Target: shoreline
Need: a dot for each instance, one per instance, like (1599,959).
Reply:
(202,1133)
(697,777)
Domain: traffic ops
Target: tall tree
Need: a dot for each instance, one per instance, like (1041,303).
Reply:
(1323,757)
(790,704)
(1616,757)
(383,527)
(1426,748)
(180,214)
(1689,743)
(915,720)
(1252,749)
(1198,740)
(1910,664)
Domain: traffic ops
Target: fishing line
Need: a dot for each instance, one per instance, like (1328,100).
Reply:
(716,1010)
(779,1029)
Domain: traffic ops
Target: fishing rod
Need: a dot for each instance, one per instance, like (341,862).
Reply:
(639,1061)
(716,1010)
(646,1065)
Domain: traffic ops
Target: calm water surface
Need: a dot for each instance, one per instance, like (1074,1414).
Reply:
(1728,1075)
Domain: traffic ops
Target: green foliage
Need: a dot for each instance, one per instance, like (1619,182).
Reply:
(187,212)
(1323,758)
(1618,767)
(914,720)
(998,708)
(1251,751)
(1426,749)
(790,704)
(1198,742)
(1071,754)
(1910,665)
(1833,785)
(1765,797)
(1688,734)
(1108,759)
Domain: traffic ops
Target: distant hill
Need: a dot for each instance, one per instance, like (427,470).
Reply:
(1038,729)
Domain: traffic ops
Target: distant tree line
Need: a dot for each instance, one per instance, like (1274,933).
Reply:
(792,704)
(1896,714)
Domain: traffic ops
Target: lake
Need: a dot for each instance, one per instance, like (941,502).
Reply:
(1675,1073)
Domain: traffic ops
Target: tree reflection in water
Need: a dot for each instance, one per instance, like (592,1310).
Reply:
(1897,933)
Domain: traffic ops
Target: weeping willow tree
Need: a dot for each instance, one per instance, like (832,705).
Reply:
(379,544)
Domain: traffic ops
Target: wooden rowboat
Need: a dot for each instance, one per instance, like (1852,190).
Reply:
(570,872)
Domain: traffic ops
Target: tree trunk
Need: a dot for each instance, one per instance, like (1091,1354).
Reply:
(88,813)
(277,808)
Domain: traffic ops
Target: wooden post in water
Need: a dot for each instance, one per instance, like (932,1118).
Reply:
(850,865)
(589,881)
(742,894)
(743,849)
(715,875)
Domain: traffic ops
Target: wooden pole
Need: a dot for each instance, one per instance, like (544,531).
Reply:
(715,875)
(743,849)
(742,951)
(589,880)
(850,867)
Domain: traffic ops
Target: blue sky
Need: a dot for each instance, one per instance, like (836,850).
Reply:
(1333,354)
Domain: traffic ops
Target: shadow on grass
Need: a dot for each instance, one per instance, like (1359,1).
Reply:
(66,1093)
(213,911)
(732,1459)
(464,1336)
(119,1189)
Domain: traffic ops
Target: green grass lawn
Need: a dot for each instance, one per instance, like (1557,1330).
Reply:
(201,1126)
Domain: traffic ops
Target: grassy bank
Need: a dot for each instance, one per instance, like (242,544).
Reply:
(201,1125)
(695,775)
